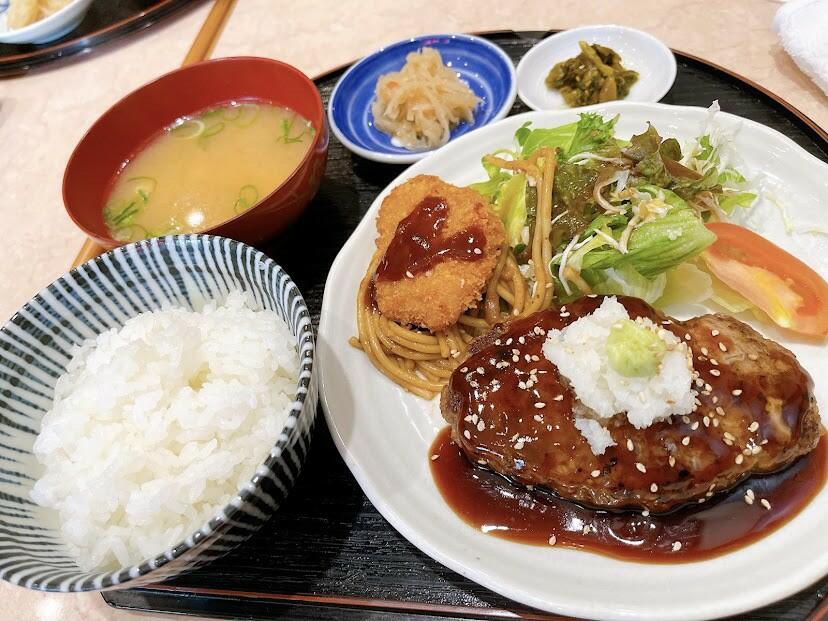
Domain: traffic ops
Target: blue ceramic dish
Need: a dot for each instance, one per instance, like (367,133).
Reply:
(481,64)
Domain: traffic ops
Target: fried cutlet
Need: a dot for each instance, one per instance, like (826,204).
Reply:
(436,296)
(756,413)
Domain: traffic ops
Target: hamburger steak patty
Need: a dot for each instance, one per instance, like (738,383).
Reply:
(757,414)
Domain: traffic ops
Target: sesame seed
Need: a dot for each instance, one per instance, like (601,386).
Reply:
(433,457)
(736,392)
(715,372)
(564,314)
(685,440)
(695,425)
(672,461)
(653,488)
(558,398)
(540,405)
(704,351)
(708,388)
(535,358)
(714,399)
(481,370)
(553,540)
(409,274)
(706,421)
(509,341)
(699,382)
(481,426)
(640,467)
(645,513)
(753,426)
(497,342)
(518,445)
(630,445)
(538,418)
(715,332)
(750,493)
(753,357)
(740,458)
(687,337)
(720,410)
(715,422)
(515,358)
(765,503)
(466,434)
(522,340)
(676,546)
(595,473)
(714,362)
(722,346)
(464,369)
(454,353)
(522,385)
(756,450)
(478,251)
(729,436)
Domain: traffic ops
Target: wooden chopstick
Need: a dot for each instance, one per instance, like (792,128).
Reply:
(200,50)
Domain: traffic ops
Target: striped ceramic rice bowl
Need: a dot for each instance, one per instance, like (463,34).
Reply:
(178,271)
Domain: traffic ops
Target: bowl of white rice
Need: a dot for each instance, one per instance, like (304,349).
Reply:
(156,405)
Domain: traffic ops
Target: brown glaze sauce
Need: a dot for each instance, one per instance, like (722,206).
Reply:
(419,243)
(495,505)
(528,430)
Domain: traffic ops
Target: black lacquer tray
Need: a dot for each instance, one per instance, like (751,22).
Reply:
(327,553)
(106,21)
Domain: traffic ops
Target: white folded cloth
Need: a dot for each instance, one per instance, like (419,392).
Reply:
(802,26)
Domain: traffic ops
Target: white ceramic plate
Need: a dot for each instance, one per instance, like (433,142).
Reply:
(384,434)
(641,52)
(48,29)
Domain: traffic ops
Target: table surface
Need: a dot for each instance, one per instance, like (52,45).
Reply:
(44,114)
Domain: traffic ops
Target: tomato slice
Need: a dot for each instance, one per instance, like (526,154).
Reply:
(792,294)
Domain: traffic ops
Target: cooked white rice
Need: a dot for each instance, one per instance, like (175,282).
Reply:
(579,352)
(156,426)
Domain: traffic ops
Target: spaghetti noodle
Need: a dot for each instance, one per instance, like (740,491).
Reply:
(422,361)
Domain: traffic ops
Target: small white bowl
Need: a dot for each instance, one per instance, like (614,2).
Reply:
(641,52)
(48,29)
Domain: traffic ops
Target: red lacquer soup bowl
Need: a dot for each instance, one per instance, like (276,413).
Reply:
(129,125)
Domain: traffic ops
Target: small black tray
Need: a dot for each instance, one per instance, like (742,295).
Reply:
(106,21)
(328,553)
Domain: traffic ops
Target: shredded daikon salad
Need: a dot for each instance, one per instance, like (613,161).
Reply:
(420,104)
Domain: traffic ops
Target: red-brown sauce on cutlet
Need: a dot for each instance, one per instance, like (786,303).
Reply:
(419,242)
(495,505)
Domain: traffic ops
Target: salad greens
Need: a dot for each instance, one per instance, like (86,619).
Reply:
(625,213)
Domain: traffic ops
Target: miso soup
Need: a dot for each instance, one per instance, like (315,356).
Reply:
(205,169)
